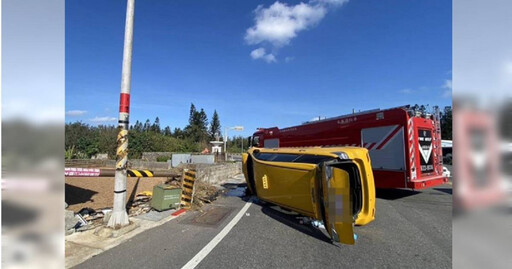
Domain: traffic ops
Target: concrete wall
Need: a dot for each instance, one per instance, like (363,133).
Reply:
(212,173)
(140,164)
(216,174)
(207,159)
(152,156)
(180,158)
(90,163)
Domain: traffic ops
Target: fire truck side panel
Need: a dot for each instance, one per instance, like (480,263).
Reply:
(390,136)
(386,146)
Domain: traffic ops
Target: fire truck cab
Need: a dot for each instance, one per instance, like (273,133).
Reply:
(404,143)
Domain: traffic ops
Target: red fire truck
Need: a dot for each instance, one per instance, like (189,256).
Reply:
(404,143)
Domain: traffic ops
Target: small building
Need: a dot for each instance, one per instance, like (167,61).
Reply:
(216,147)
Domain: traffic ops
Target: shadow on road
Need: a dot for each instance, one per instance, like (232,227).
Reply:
(445,190)
(292,220)
(393,194)
(289,218)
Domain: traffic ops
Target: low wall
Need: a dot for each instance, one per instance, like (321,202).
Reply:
(211,173)
(217,174)
(90,163)
(152,156)
(133,164)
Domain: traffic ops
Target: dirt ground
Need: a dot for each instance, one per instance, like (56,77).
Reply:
(98,192)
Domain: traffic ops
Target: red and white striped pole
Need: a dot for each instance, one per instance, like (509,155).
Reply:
(119,216)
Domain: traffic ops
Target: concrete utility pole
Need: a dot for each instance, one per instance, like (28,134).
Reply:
(119,216)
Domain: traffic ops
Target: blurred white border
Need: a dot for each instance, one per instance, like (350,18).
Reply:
(32,84)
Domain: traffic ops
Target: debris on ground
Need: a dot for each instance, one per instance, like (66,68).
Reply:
(84,220)
(90,218)
(141,204)
(174,181)
(146,193)
(205,192)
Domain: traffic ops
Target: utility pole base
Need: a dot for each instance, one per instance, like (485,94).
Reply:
(118,219)
(107,232)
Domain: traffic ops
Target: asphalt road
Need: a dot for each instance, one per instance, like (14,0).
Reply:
(411,230)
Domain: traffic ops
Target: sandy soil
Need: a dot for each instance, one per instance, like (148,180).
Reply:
(98,192)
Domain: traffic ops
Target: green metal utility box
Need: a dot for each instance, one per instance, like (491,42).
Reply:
(165,197)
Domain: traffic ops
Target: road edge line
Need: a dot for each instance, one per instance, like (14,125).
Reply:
(216,240)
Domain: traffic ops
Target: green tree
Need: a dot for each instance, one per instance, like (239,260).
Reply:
(178,133)
(192,114)
(167,131)
(106,140)
(147,126)
(446,123)
(203,126)
(214,125)
(234,145)
(197,129)
(156,126)
(138,126)
(82,139)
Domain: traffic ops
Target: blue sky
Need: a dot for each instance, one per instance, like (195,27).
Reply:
(278,64)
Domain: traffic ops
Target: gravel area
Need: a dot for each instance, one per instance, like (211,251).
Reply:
(98,192)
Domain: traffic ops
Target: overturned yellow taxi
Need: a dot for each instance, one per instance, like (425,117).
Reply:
(333,185)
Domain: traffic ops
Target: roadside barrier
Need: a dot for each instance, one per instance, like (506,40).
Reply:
(187,183)
(139,173)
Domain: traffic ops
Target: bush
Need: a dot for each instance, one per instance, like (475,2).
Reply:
(162,159)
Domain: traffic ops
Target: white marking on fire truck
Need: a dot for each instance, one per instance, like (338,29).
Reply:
(394,131)
(412,162)
(371,146)
(425,153)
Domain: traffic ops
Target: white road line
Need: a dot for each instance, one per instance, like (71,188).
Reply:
(211,245)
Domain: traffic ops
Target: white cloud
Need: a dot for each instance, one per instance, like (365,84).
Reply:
(289,59)
(447,84)
(331,2)
(278,24)
(103,119)
(448,88)
(318,118)
(406,91)
(75,113)
(260,53)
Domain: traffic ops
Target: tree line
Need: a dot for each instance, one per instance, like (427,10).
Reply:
(83,141)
